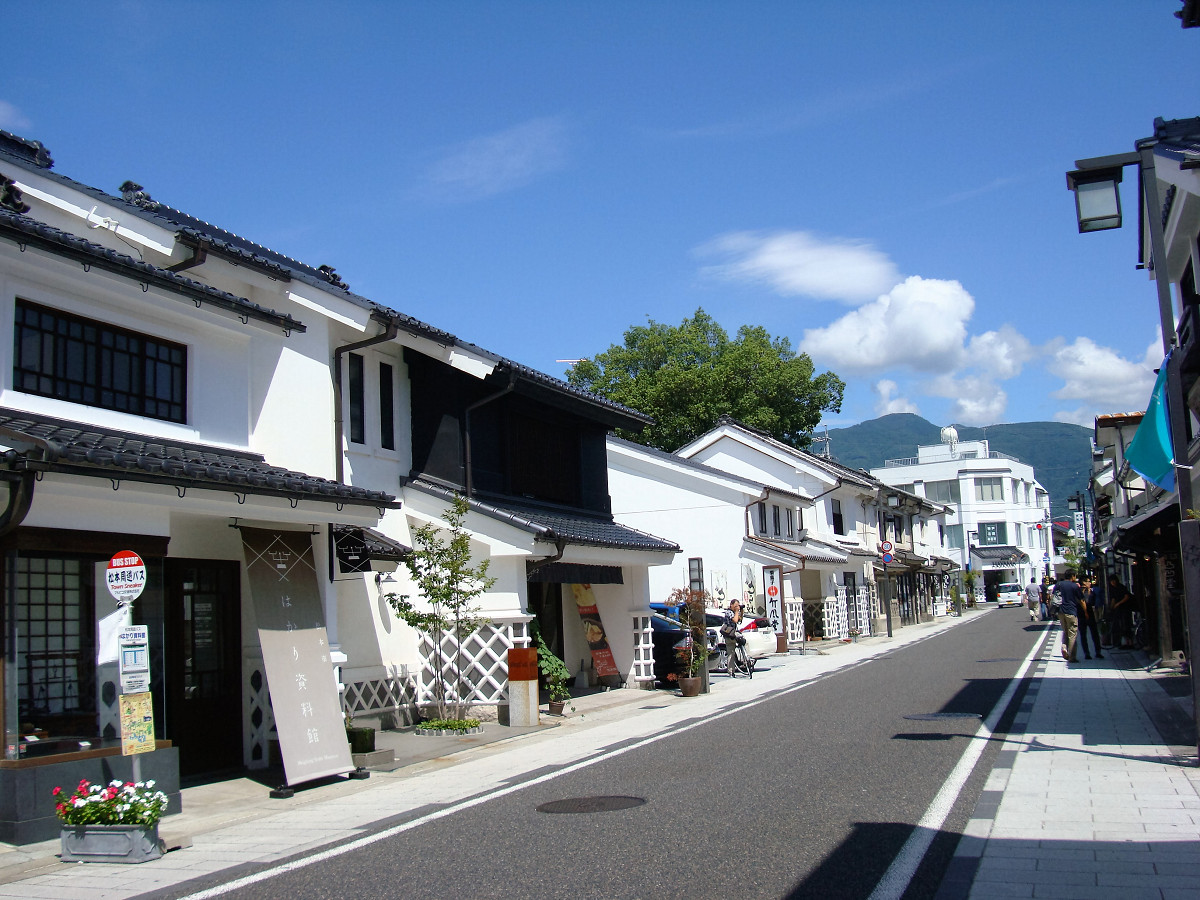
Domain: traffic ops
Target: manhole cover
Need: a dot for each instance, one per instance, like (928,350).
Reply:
(929,717)
(590,804)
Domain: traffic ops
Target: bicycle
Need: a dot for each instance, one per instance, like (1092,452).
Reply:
(737,664)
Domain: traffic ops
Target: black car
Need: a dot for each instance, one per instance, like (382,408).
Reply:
(671,643)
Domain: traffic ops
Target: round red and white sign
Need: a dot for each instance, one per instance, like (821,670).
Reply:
(886,546)
(126,576)
(772,591)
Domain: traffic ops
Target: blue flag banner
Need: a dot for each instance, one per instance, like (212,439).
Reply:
(1149,452)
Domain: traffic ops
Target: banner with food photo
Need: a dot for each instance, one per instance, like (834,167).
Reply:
(593,632)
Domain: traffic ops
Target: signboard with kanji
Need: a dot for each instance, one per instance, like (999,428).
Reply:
(133,658)
(295,646)
(126,576)
(773,591)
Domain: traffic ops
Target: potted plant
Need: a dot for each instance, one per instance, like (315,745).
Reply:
(694,654)
(116,823)
(360,737)
(553,671)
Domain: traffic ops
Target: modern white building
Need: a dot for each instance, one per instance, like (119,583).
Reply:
(998,522)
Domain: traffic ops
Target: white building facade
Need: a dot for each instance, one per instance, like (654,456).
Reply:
(998,519)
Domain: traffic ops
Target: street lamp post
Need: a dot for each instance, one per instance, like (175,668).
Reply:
(1098,208)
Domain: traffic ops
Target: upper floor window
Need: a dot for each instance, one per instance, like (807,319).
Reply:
(989,489)
(358,399)
(762,517)
(387,407)
(791,528)
(942,491)
(775,519)
(56,354)
(835,511)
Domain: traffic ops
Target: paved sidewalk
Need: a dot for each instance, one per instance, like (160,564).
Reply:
(1087,798)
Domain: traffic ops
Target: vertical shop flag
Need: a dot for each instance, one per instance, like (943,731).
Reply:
(1150,453)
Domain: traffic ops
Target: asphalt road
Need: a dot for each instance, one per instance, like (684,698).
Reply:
(808,794)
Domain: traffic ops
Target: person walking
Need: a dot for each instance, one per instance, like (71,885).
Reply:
(1045,604)
(1033,598)
(1069,600)
(1088,616)
(1119,604)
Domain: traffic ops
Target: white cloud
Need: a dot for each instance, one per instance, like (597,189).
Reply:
(799,263)
(500,162)
(886,402)
(1002,353)
(919,325)
(978,399)
(1101,378)
(12,119)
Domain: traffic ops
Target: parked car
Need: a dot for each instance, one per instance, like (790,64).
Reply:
(1009,593)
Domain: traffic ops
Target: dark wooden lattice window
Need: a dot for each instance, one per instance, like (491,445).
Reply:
(56,648)
(56,354)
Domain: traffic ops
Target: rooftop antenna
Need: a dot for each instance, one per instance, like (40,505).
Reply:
(823,440)
(950,438)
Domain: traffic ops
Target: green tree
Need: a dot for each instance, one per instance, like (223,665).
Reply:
(688,376)
(441,566)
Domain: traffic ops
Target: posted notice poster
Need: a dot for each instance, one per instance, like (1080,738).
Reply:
(295,646)
(137,723)
(593,632)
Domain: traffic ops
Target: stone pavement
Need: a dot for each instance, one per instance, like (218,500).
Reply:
(1089,753)
(1094,794)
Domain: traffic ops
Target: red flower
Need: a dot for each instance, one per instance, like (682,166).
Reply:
(56,791)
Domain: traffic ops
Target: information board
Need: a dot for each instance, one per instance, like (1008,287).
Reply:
(137,723)
(133,657)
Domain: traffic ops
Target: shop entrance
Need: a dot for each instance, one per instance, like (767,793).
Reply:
(545,604)
(203,664)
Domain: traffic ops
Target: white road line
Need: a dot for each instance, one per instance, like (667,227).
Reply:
(896,879)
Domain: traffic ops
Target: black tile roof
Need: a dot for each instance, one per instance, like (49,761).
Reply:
(43,443)
(191,230)
(27,232)
(571,527)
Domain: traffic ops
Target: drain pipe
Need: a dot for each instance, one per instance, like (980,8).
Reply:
(338,418)
(468,472)
(560,546)
(20,495)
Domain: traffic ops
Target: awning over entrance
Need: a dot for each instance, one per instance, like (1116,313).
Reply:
(356,548)
(797,552)
(999,555)
(576,573)
(1142,531)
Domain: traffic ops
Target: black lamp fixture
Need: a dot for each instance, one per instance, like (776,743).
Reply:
(1097,197)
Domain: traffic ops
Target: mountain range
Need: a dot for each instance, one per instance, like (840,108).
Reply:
(1061,454)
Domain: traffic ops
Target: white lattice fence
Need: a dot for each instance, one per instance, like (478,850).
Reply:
(794,621)
(394,694)
(643,649)
(836,624)
(481,659)
(860,610)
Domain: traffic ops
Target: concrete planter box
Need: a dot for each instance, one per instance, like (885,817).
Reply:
(110,843)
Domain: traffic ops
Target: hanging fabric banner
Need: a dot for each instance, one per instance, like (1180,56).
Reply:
(593,631)
(295,647)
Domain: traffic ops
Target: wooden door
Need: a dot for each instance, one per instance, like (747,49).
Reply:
(204,664)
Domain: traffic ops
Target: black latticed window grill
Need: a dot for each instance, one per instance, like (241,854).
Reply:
(56,354)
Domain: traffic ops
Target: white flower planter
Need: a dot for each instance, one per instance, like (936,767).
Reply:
(110,843)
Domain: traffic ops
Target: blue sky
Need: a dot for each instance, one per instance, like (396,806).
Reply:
(882,183)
